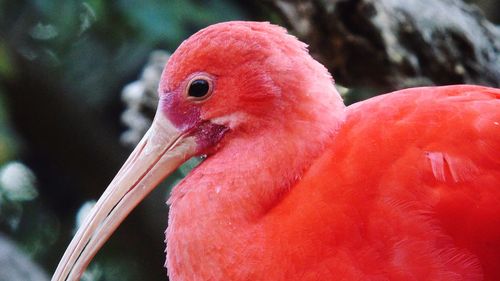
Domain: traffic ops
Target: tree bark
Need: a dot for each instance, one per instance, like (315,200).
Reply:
(392,44)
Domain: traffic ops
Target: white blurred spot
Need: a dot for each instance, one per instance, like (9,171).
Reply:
(459,69)
(93,273)
(130,137)
(17,182)
(133,94)
(83,212)
(43,31)
(343,91)
(136,120)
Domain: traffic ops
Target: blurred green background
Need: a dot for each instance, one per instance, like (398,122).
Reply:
(63,65)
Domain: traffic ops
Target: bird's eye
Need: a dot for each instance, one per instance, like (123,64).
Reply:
(199,88)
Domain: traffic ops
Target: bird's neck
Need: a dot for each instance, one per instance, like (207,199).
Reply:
(252,171)
(215,210)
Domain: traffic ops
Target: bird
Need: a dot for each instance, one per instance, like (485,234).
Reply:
(295,185)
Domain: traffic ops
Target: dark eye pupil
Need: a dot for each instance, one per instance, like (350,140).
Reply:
(198,88)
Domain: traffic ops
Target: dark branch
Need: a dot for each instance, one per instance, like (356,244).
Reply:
(391,44)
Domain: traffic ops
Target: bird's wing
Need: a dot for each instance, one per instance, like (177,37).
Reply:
(409,188)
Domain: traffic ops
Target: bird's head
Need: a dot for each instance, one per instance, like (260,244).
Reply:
(226,80)
(236,77)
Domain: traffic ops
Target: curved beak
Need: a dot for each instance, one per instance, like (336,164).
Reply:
(162,149)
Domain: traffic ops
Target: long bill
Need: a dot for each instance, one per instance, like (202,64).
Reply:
(162,149)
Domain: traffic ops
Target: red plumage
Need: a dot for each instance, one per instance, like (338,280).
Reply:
(407,189)
(405,186)
(412,192)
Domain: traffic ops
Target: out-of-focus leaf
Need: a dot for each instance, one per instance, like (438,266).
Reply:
(7,69)
(87,17)
(8,143)
(189,165)
(10,214)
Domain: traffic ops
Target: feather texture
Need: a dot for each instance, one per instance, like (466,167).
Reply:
(404,186)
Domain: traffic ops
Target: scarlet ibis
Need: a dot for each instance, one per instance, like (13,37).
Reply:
(296,186)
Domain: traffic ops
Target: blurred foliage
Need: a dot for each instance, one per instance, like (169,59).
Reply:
(83,42)
(8,141)
(22,216)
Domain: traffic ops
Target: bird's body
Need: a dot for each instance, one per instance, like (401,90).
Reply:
(408,188)
(296,186)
